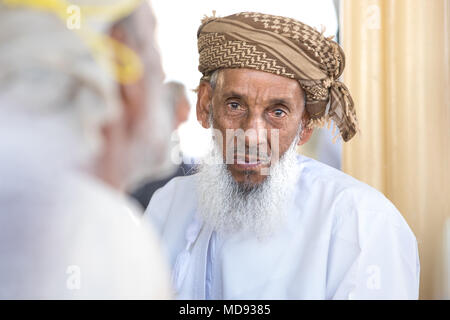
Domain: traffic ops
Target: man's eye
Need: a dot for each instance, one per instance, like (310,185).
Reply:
(279,113)
(234,105)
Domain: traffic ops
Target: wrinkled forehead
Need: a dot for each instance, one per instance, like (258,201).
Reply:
(250,82)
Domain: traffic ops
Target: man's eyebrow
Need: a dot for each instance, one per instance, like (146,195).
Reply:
(283,101)
(235,94)
(274,101)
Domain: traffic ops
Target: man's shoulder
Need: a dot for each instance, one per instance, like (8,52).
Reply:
(178,186)
(176,199)
(88,225)
(366,233)
(351,199)
(323,173)
(317,175)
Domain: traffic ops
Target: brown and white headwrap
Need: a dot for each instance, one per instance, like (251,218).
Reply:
(285,47)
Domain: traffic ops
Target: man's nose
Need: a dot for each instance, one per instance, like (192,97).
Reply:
(256,130)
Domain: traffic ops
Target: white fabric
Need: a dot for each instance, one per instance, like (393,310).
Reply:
(77,227)
(63,233)
(47,69)
(342,240)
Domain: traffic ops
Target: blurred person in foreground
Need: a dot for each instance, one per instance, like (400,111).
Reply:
(259,221)
(71,142)
(177,102)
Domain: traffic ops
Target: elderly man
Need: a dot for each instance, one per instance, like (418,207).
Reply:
(248,226)
(75,132)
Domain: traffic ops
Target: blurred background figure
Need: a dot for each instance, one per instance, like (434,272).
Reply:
(178,105)
(176,94)
(79,124)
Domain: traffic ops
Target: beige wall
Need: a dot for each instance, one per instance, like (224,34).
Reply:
(399,74)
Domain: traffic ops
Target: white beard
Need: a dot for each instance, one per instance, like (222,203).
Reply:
(230,207)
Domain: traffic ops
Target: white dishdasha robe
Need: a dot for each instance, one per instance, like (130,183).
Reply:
(341,240)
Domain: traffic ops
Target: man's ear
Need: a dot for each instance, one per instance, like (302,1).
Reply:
(204,97)
(306,132)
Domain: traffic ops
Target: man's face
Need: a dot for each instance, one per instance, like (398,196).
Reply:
(264,104)
(146,122)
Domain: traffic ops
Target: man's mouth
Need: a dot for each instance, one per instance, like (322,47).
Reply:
(246,162)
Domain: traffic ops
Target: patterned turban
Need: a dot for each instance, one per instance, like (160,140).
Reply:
(284,47)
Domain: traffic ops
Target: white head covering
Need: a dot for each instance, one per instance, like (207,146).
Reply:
(47,69)
(50,71)
(54,99)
